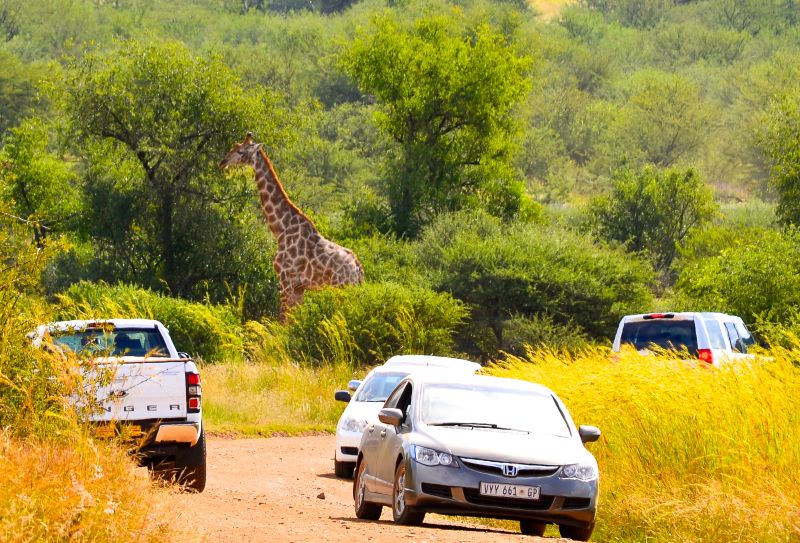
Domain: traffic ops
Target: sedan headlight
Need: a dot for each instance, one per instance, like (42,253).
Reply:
(353,425)
(582,472)
(431,457)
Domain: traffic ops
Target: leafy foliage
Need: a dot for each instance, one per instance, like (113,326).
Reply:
(505,272)
(369,323)
(447,110)
(153,121)
(781,140)
(652,211)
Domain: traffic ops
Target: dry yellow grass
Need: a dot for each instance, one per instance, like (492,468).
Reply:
(78,490)
(549,9)
(688,453)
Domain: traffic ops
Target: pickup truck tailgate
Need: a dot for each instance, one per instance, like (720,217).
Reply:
(138,390)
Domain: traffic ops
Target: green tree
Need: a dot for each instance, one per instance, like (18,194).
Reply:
(663,121)
(636,13)
(780,139)
(548,275)
(40,184)
(152,122)
(652,211)
(445,93)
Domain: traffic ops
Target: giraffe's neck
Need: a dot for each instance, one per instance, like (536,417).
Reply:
(281,214)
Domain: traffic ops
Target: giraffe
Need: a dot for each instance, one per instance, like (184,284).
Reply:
(305,259)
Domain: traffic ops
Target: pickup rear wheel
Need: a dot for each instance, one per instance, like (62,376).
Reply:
(190,464)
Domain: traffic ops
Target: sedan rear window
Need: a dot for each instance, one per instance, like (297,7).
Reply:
(491,407)
(666,334)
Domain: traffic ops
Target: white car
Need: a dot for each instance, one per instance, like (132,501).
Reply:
(713,338)
(367,400)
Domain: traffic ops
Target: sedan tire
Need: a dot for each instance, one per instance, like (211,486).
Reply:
(364,509)
(531,527)
(578,533)
(400,511)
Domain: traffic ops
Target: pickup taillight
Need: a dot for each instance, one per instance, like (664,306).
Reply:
(193,392)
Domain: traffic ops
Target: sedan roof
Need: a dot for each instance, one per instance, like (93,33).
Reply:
(487,381)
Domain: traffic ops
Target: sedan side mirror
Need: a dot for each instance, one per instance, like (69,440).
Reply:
(342,396)
(589,433)
(353,385)
(389,415)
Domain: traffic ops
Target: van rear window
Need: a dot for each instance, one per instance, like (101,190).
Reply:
(666,334)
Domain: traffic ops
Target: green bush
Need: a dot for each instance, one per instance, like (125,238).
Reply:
(505,271)
(757,278)
(211,332)
(368,323)
(540,332)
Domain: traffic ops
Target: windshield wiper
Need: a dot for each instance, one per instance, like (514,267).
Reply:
(476,425)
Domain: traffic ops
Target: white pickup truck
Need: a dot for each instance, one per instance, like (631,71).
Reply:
(140,387)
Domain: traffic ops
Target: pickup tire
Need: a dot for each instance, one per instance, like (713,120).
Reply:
(190,465)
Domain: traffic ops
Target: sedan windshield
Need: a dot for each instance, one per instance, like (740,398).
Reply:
(378,386)
(112,342)
(492,407)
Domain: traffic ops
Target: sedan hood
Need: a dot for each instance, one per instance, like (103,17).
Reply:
(504,445)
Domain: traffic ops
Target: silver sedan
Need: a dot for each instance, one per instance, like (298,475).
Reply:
(478,446)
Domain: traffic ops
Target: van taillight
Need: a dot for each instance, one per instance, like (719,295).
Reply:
(193,392)
(705,355)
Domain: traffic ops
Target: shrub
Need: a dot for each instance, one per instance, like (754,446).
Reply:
(652,211)
(368,323)
(211,332)
(538,332)
(756,278)
(528,270)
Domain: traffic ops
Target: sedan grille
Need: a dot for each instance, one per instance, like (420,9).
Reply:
(576,503)
(496,468)
(473,495)
(441,491)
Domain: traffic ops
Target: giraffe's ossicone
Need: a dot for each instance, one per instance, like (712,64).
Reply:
(305,260)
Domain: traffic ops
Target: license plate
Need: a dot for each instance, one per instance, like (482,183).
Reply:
(520,492)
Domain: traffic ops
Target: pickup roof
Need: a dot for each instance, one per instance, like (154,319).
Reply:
(139,386)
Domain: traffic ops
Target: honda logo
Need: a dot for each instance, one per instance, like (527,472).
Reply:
(510,470)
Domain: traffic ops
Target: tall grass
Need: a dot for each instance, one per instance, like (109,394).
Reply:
(78,490)
(269,394)
(688,453)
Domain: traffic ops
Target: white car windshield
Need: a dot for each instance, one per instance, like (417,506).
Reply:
(378,386)
(492,407)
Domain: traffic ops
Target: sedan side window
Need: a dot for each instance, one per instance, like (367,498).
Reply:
(394,398)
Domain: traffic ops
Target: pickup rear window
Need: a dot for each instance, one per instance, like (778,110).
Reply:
(112,342)
(666,334)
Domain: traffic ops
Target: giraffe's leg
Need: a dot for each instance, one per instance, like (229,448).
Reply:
(291,296)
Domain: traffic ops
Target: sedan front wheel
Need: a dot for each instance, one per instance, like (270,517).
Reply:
(400,510)
(364,509)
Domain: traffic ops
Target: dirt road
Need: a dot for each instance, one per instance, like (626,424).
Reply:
(283,490)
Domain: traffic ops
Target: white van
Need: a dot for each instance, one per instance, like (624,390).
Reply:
(714,338)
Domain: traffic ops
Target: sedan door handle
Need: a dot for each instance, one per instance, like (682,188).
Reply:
(383,433)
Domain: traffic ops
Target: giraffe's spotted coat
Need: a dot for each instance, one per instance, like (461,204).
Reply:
(305,259)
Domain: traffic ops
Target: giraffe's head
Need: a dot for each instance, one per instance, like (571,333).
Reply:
(242,154)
